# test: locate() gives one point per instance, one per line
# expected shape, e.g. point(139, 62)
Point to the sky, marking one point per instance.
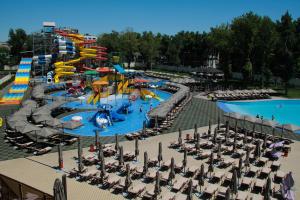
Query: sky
point(164, 16)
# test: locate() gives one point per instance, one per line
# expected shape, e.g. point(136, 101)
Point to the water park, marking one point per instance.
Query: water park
point(129, 115)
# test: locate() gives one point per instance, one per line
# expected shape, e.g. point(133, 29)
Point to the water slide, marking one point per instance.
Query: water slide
point(106, 117)
point(125, 108)
point(20, 85)
point(145, 93)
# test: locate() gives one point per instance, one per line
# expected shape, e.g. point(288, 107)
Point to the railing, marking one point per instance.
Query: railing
point(13, 189)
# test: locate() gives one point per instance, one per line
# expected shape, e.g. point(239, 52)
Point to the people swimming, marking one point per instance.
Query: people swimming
point(141, 108)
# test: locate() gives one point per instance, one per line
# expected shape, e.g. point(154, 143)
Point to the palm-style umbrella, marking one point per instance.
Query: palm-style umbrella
point(267, 195)
point(102, 170)
point(257, 151)
point(96, 138)
point(179, 136)
point(145, 168)
point(172, 171)
point(233, 182)
point(227, 195)
point(79, 151)
point(128, 180)
point(211, 163)
point(58, 190)
point(190, 190)
point(247, 161)
point(201, 176)
point(219, 154)
point(209, 128)
point(197, 145)
point(195, 131)
point(159, 157)
point(116, 142)
point(60, 156)
point(157, 188)
point(29, 128)
point(100, 152)
point(136, 151)
point(184, 161)
point(121, 156)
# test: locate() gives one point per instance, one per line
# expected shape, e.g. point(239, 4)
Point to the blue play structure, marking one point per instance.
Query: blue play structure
point(105, 116)
point(119, 69)
point(125, 108)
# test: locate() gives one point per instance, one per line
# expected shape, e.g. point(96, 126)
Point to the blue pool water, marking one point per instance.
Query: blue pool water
point(133, 121)
point(284, 111)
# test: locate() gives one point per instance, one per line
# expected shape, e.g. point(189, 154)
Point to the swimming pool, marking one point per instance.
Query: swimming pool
point(133, 121)
point(284, 111)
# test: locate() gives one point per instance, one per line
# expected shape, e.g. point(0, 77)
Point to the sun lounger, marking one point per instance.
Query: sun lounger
point(279, 175)
point(192, 170)
point(111, 181)
point(164, 178)
point(260, 183)
point(89, 159)
point(111, 165)
point(165, 164)
point(120, 185)
point(241, 195)
point(88, 174)
point(168, 196)
point(179, 184)
point(74, 172)
point(150, 175)
point(210, 189)
point(226, 162)
point(254, 170)
point(138, 171)
point(263, 160)
point(276, 165)
point(136, 190)
point(265, 171)
point(175, 144)
point(152, 162)
point(218, 175)
point(150, 193)
point(180, 196)
point(41, 151)
point(246, 181)
point(203, 154)
point(221, 192)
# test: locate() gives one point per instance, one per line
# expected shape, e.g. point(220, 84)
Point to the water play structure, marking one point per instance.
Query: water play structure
point(20, 85)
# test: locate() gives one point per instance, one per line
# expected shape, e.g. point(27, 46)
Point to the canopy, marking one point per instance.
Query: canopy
point(98, 83)
point(140, 80)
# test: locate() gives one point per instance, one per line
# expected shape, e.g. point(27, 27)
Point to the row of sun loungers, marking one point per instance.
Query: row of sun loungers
point(241, 94)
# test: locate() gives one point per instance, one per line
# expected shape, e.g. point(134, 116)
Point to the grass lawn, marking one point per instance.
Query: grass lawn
point(293, 93)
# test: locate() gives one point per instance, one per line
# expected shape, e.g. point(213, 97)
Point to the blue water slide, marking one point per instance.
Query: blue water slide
point(119, 69)
point(125, 108)
point(116, 117)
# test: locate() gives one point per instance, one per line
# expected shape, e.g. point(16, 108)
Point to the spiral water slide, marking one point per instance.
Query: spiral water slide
point(77, 40)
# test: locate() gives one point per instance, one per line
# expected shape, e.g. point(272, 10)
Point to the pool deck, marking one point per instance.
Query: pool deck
point(39, 173)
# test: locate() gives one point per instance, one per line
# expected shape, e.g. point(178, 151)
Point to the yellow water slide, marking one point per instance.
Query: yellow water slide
point(144, 93)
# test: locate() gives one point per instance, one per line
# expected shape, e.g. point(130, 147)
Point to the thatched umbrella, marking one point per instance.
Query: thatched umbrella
point(102, 170)
point(240, 168)
point(156, 124)
point(159, 157)
point(96, 138)
point(58, 190)
point(197, 145)
point(121, 156)
point(60, 156)
point(128, 180)
point(264, 146)
point(116, 142)
point(257, 151)
point(247, 161)
point(172, 171)
point(195, 131)
point(245, 139)
point(218, 127)
point(64, 183)
point(137, 151)
point(215, 136)
point(209, 128)
point(184, 161)
point(80, 165)
point(100, 152)
point(157, 188)
point(233, 182)
point(267, 195)
point(227, 195)
point(145, 168)
point(190, 190)
point(201, 176)
point(179, 136)
point(211, 163)
point(219, 154)
point(227, 126)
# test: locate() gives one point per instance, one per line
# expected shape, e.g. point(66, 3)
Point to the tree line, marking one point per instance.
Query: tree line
point(250, 44)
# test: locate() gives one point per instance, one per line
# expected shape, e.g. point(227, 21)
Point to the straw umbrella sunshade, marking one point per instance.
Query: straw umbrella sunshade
point(60, 156)
point(195, 131)
point(219, 153)
point(145, 168)
point(100, 152)
point(268, 186)
point(121, 157)
point(157, 188)
point(128, 180)
point(201, 177)
point(102, 170)
point(247, 159)
point(239, 169)
point(257, 150)
point(184, 161)
point(197, 145)
point(209, 128)
point(172, 171)
point(190, 190)
point(233, 183)
point(58, 190)
point(211, 163)
point(179, 136)
point(116, 142)
point(159, 157)
point(79, 151)
point(137, 151)
point(218, 127)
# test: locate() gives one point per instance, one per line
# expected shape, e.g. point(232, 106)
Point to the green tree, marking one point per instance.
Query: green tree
point(149, 48)
point(247, 71)
point(17, 40)
point(4, 57)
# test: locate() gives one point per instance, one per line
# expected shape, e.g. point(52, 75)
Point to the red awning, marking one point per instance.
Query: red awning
point(141, 81)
